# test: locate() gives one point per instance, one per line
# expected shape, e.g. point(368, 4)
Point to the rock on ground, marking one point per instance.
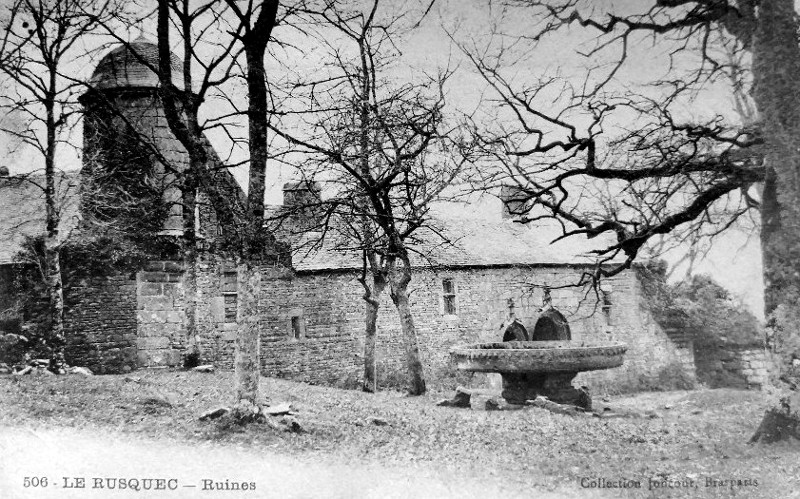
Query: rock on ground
point(460, 399)
point(781, 422)
point(214, 413)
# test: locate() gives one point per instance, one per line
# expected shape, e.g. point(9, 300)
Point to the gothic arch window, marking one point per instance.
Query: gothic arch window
point(550, 326)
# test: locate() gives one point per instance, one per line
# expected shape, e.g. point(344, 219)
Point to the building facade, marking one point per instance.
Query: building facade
point(311, 310)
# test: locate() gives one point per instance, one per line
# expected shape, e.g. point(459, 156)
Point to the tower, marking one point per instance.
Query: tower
point(129, 151)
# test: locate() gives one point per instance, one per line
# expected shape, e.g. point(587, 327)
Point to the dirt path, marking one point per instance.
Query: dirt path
point(63, 456)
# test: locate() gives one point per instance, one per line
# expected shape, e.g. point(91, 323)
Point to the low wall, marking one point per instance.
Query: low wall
point(731, 366)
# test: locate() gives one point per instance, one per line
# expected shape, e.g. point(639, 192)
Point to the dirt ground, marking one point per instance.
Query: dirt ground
point(65, 456)
point(145, 426)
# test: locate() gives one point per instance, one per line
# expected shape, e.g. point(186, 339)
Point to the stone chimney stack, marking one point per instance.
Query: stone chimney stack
point(515, 201)
point(302, 201)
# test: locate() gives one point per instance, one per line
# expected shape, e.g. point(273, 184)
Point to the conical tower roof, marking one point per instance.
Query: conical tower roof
point(133, 65)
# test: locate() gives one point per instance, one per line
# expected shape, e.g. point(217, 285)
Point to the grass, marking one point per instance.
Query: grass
point(698, 434)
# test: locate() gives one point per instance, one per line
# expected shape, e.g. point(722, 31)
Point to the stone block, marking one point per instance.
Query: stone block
point(174, 277)
point(173, 316)
point(171, 289)
point(151, 289)
point(154, 330)
point(172, 357)
point(150, 316)
point(154, 276)
point(153, 343)
point(150, 358)
point(154, 266)
point(170, 266)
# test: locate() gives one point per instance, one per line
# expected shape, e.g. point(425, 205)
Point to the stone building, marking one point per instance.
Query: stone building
point(311, 310)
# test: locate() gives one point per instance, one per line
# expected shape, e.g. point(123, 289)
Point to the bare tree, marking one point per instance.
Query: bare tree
point(606, 159)
point(250, 32)
point(386, 146)
point(41, 42)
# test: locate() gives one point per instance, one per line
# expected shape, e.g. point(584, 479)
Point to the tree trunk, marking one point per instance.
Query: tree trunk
point(248, 347)
point(776, 70)
point(52, 245)
point(399, 292)
point(181, 114)
point(372, 305)
point(57, 340)
point(190, 271)
point(248, 339)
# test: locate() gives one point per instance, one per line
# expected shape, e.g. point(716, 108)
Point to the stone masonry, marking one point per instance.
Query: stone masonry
point(312, 320)
point(732, 366)
point(101, 325)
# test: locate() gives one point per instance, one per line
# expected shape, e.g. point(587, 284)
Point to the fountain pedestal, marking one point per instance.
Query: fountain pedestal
point(519, 387)
point(533, 368)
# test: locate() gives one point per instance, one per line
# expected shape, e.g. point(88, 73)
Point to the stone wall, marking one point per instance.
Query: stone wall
point(659, 357)
point(731, 366)
point(313, 322)
point(100, 324)
point(161, 336)
point(308, 330)
point(109, 140)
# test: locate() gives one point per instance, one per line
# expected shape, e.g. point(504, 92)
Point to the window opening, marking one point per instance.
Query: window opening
point(230, 295)
point(449, 296)
point(296, 328)
point(606, 306)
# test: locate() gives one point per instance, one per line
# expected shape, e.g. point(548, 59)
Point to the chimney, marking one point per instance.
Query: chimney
point(515, 201)
point(302, 201)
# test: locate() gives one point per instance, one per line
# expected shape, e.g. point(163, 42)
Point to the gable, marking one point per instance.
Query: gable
point(22, 209)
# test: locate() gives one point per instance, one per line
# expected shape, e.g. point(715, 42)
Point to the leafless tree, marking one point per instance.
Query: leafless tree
point(249, 32)
point(603, 158)
point(385, 144)
point(41, 41)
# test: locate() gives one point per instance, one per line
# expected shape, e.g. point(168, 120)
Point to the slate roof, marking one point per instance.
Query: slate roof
point(459, 240)
point(22, 209)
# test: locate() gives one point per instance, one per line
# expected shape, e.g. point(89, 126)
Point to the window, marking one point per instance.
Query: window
point(605, 306)
point(229, 295)
point(449, 297)
point(296, 328)
point(297, 325)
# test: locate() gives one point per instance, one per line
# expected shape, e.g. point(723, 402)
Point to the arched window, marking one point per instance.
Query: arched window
point(550, 326)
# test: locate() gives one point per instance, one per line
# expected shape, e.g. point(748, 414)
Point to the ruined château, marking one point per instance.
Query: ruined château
point(311, 310)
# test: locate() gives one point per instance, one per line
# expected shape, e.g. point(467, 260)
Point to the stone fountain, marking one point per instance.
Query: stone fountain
point(541, 364)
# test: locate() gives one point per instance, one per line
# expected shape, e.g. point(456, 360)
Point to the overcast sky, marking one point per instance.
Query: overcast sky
point(734, 259)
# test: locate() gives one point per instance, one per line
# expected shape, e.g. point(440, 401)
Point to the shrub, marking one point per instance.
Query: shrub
point(701, 306)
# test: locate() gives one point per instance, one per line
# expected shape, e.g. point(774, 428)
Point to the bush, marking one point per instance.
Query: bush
point(701, 306)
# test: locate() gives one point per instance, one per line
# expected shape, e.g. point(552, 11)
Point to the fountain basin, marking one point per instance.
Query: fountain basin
point(538, 357)
point(540, 368)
